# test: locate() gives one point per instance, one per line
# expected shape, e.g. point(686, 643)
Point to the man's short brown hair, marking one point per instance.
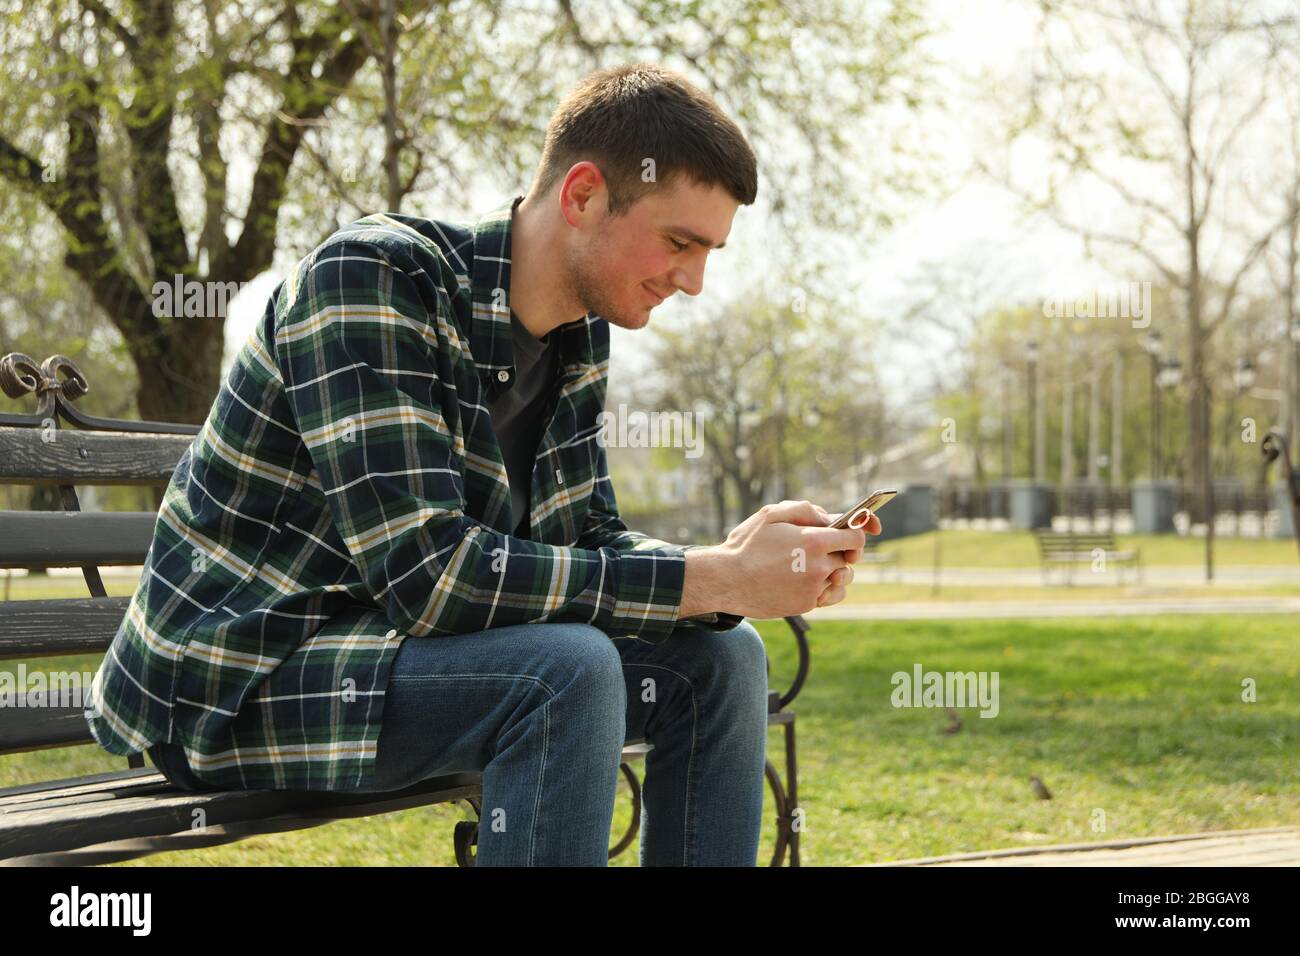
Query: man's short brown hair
point(618, 118)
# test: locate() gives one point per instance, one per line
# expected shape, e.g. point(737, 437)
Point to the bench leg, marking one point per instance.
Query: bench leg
point(792, 776)
point(789, 821)
point(465, 836)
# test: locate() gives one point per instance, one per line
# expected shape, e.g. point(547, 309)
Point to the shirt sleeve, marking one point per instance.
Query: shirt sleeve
point(605, 528)
point(369, 357)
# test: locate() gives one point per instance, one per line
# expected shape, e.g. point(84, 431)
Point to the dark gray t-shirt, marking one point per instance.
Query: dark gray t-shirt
point(517, 414)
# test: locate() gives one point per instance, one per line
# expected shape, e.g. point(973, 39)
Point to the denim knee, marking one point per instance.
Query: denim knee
point(738, 653)
point(583, 658)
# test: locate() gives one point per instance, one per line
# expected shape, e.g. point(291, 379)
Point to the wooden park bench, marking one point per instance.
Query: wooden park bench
point(1066, 549)
point(122, 815)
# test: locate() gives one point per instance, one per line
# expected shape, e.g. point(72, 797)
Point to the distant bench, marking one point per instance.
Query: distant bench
point(1066, 549)
point(121, 815)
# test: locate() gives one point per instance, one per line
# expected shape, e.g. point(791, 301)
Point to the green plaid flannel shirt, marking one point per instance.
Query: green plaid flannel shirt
point(346, 493)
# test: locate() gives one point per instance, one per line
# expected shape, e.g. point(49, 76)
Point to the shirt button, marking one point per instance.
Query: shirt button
point(503, 376)
point(559, 477)
point(391, 635)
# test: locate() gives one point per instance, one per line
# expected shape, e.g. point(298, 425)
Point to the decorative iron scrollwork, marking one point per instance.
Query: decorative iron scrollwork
point(57, 383)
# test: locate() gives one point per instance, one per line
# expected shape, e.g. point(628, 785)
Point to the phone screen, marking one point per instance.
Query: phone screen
point(855, 518)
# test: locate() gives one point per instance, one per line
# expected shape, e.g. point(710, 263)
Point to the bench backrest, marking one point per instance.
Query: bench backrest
point(1060, 542)
point(35, 451)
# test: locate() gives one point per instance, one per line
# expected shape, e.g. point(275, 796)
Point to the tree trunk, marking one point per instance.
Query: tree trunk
point(180, 372)
point(720, 503)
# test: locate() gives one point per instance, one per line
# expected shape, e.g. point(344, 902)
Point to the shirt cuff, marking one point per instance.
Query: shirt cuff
point(646, 587)
point(715, 620)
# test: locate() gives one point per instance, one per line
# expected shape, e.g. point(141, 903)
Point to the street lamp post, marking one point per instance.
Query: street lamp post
point(1007, 433)
point(1169, 377)
point(1031, 369)
point(1244, 376)
point(1152, 346)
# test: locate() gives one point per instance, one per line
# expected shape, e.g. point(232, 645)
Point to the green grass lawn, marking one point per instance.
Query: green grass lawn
point(1018, 549)
point(38, 587)
point(1139, 718)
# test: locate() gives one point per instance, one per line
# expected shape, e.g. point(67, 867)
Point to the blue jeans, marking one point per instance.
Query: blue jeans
point(543, 711)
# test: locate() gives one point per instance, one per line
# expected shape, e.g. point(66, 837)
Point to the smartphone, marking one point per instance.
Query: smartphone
point(872, 502)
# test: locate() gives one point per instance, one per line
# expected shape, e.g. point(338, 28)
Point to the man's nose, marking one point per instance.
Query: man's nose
point(690, 279)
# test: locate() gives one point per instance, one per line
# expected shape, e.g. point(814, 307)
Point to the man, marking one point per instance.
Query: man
point(394, 551)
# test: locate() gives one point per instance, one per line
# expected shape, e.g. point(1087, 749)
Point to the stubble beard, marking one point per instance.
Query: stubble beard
point(591, 290)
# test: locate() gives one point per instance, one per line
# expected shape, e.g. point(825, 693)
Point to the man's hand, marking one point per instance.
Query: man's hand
point(837, 584)
point(780, 561)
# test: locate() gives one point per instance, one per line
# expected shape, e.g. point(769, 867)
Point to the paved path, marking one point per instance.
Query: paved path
point(1276, 846)
point(1083, 576)
point(1111, 607)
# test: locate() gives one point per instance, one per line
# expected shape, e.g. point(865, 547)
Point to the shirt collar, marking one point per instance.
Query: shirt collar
point(490, 334)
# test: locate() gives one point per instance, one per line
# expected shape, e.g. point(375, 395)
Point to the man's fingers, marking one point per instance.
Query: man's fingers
point(827, 540)
point(866, 520)
point(798, 512)
point(831, 596)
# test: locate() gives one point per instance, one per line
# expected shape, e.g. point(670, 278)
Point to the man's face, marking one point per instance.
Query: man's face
point(623, 267)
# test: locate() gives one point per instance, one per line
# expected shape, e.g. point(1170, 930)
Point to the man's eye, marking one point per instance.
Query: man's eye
point(679, 246)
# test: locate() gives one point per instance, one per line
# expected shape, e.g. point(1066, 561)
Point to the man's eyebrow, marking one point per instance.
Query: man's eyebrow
point(695, 237)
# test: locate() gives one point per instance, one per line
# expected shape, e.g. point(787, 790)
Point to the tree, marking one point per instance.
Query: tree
point(1146, 105)
point(948, 322)
point(198, 138)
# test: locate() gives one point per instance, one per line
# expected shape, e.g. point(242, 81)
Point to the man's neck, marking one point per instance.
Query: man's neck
point(537, 293)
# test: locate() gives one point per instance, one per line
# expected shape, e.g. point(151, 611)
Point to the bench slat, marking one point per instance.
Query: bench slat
point(64, 626)
point(72, 538)
point(10, 797)
point(88, 458)
point(35, 728)
point(147, 806)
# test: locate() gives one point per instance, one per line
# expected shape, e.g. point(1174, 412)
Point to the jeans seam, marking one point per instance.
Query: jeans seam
point(480, 676)
point(546, 731)
point(541, 777)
